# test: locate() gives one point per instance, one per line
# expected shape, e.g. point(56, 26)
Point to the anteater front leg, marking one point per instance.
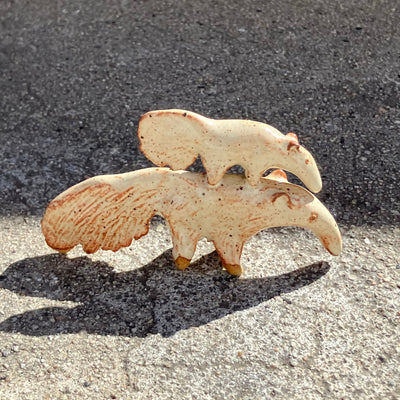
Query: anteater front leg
point(215, 169)
point(184, 245)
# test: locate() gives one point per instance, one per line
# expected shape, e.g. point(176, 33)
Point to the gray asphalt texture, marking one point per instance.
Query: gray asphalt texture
point(75, 77)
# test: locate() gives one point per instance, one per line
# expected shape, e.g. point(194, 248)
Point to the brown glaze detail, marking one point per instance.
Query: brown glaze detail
point(326, 240)
point(276, 196)
point(313, 217)
point(182, 263)
point(278, 174)
point(307, 161)
point(294, 144)
point(137, 237)
point(110, 198)
point(233, 269)
point(46, 223)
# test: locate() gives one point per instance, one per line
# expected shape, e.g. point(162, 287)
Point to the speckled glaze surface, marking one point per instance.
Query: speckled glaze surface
point(175, 138)
point(107, 212)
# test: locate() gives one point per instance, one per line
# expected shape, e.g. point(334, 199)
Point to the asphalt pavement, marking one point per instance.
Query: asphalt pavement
point(299, 324)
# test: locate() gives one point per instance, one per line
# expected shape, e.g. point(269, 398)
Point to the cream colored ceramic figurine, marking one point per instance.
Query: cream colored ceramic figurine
point(107, 212)
point(175, 138)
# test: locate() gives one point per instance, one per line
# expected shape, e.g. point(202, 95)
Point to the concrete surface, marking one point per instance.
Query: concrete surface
point(300, 324)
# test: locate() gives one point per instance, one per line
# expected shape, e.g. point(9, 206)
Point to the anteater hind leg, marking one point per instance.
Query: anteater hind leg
point(230, 252)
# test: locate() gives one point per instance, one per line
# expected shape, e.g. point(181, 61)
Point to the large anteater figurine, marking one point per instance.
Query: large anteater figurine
point(175, 138)
point(107, 212)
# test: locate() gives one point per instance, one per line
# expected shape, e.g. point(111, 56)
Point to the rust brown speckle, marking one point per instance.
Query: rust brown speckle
point(276, 196)
point(313, 217)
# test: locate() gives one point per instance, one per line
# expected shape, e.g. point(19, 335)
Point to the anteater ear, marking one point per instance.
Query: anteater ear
point(278, 175)
point(293, 137)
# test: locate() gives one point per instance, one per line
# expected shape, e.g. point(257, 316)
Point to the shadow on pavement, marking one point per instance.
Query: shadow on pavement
point(156, 298)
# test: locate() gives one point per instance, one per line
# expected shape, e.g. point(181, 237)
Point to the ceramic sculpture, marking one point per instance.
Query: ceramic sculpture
point(107, 212)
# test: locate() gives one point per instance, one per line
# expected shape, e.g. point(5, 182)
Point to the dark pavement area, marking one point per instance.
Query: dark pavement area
point(76, 77)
